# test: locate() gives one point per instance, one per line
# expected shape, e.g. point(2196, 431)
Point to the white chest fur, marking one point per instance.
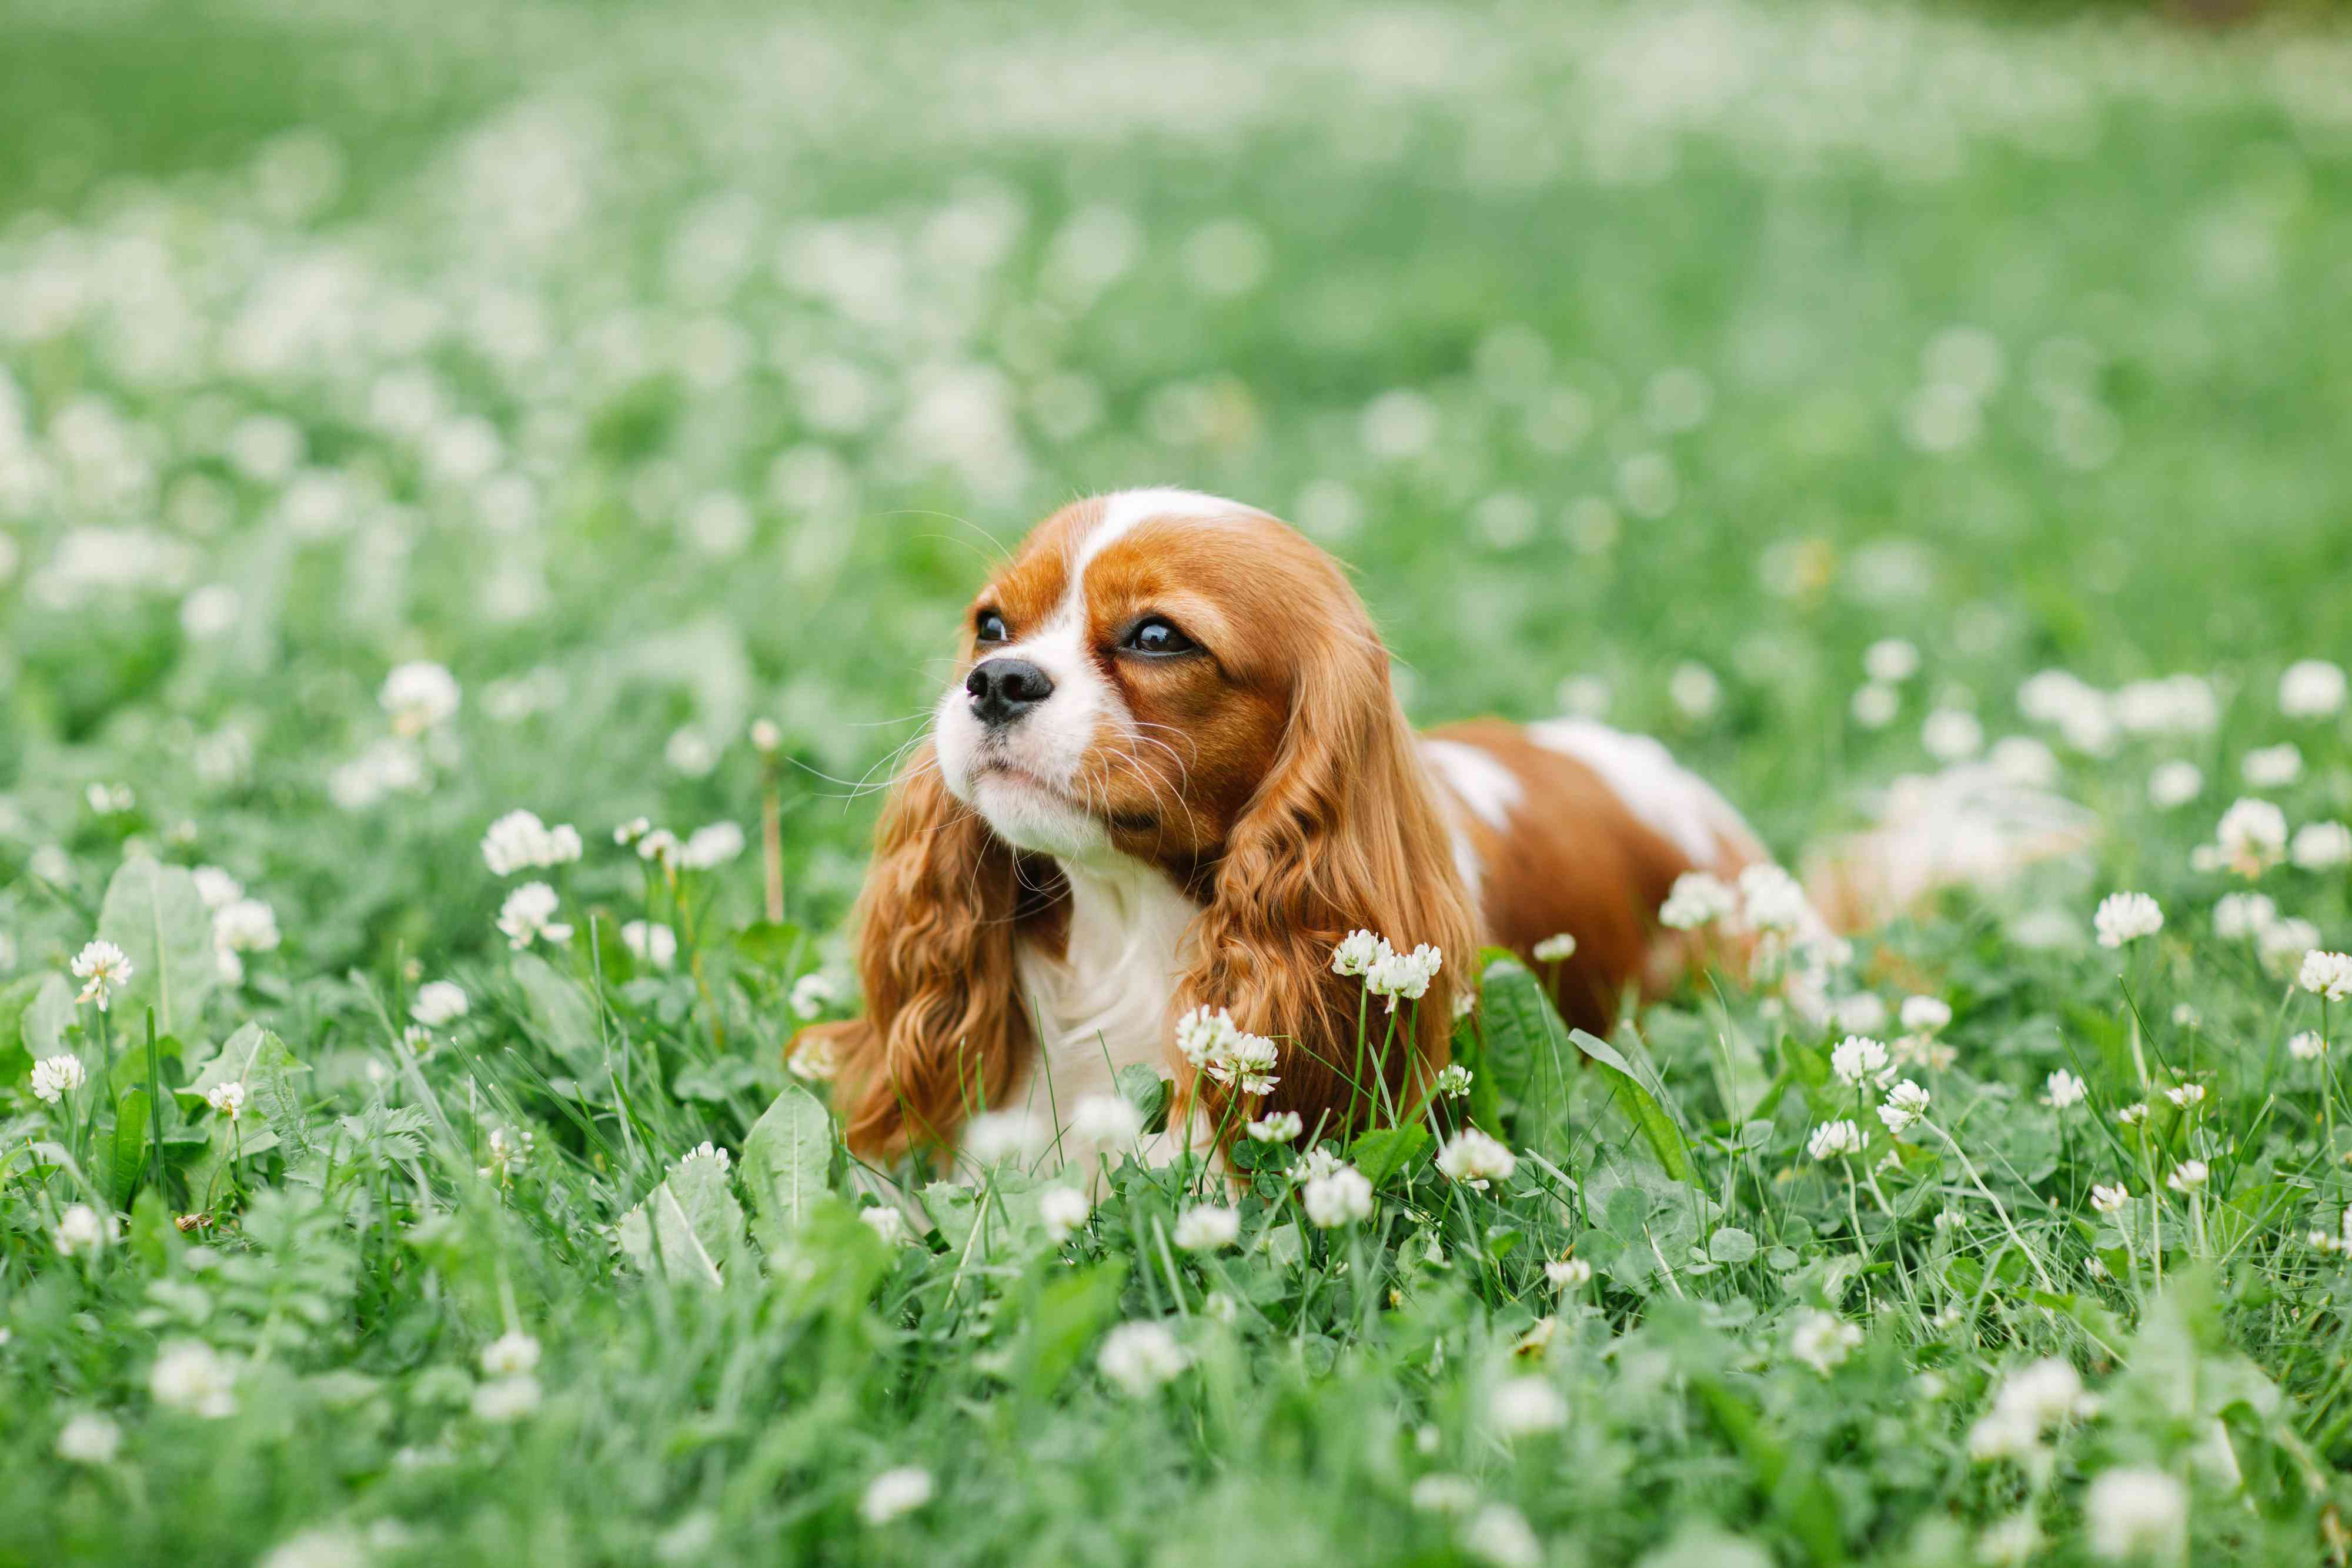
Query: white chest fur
point(1104, 1003)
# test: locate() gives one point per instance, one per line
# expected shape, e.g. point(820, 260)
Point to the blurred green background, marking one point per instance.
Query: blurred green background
point(655, 368)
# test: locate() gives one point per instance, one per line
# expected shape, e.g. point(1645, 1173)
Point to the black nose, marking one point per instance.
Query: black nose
point(1003, 689)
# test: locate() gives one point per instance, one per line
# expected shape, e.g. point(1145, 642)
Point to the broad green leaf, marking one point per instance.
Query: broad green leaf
point(1524, 1035)
point(564, 1014)
point(787, 1159)
point(1140, 1084)
point(241, 1059)
point(47, 1017)
point(772, 946)
point(16, 998)
point(1666, 1138)
point(692, 1218)
point(1380, 1155)
point(1062, 1321)
point(154, 913)
point(129, 1151)
point(1731, 1244)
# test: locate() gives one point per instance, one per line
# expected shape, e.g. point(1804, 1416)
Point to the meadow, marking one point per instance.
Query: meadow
point(414, 417)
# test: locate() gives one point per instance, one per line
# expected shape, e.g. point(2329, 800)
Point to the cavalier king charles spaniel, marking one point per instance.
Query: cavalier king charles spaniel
point(1170, 774)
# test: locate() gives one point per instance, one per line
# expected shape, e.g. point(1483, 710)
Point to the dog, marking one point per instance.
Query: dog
point(1171, 783)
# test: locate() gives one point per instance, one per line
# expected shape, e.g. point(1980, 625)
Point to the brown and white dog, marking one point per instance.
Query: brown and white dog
point(1171, 772)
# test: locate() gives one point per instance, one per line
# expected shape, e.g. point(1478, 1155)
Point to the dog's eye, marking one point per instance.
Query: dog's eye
point(991, 628)
point(1157, 634)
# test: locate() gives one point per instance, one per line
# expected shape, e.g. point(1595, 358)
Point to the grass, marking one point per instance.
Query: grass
point(655, 372)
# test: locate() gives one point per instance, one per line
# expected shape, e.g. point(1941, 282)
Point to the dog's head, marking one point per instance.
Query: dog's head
point(1164, 677)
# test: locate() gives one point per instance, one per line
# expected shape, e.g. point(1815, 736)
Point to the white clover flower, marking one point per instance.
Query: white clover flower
point(1403, 976)
point(245, 925)
point(1250, 1063)
point(812, 993)
point(2284, 945)
point(1857, 1056)
point(2135, 1513)
point(1064, 1211)
point(2174, 784)
point(650, 942)
point(438, 1002)
point(814, 1059)
point(1338, 1197)
point(2188, 1096)
point(629, 835)
point(510, 1354)
point(887, 1223)
point(1219, 1307)
point(1890, 660)
point(227, 1099)
point(519, 841)
point(1356, 954)
point(528, 915)
point(1139, 1357)
point(419, 696)
point(894, 1494)
point(2241, 916)
point(712, 846)
point(1206, 1035)
point(506, 1399)
point(55, 1077)
point(2272, 766)
point(104, 968)
point(1280, 1127)
point(1905, 1104)
point(766, 737)
point(2133, 1114)
point(1769, 899)
point(2251, 838)
point(2187, 1176)
point(1444, 1493)
point(506, 1150)
point(80, 1229)
point(1566, 1274)
point(2009, 1542)
point(89, 1438)
point(2321, 846)
point(1453, 1082)
point(2126, 917)
point(1499, 1536)
point(995, 1135)
point(1875, 706)
point(1926, 1014)
point(2308, 1046)
point(1207, 1227)
point(1823, 1340)
point(1554, 948)
point(1522, 1406)
point(2326, 975)
point(190, 1375)
point(1832, 1140)
point(215, 886)
point(1952, 735)
point(2311, 688)
point(1473, 1159)
point(2061, 1090)
point(2110, 1199)
point(1106, 1120)
point(1696, 899)
point(1314, 1163)
point(660, 846)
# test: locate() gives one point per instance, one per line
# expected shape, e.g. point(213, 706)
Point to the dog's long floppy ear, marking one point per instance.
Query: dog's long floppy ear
point(943, 1025)
point(1344, 834)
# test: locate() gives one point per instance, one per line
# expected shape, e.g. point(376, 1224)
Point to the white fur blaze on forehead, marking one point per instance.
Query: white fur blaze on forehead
point(1124, 510)
point(1675, 802)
